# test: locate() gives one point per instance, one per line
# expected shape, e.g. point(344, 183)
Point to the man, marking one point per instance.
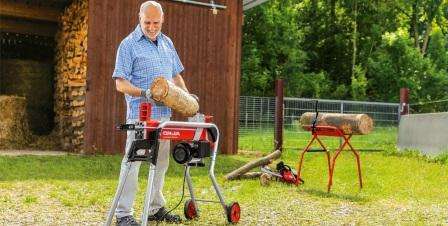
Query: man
point(142, 56)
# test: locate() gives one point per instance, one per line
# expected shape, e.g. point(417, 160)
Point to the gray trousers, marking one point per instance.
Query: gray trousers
point(126, 201)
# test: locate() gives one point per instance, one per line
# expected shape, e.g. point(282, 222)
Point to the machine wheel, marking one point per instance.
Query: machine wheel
point(190, 211)
point(233, 212)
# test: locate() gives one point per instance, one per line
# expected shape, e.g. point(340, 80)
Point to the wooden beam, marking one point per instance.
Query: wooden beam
point(28, 27)
point(20, 10)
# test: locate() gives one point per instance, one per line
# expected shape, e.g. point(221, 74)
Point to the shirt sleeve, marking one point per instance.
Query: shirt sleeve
point(177, 64)
point(123, 62)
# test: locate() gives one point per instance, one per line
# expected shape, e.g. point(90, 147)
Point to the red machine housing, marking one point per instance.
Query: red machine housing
point(171, 133)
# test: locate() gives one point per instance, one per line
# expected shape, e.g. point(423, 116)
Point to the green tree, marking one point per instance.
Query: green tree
point(399, 64)
point(272, 49)
point(347, 49)
point(438, 50)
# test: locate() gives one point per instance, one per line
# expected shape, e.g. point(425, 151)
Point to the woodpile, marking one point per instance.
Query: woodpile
point(355, 124)
point(174, 97)
point(71, 72)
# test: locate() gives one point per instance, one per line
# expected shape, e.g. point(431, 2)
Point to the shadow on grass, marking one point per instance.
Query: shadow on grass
point(87, 168)
point(325, 194)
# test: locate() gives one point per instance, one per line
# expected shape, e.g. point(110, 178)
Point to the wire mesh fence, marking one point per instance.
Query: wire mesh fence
point(257, 117)
point(429, 107)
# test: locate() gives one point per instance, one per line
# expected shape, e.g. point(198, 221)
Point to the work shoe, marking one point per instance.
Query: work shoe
point(127, 221)
point(163, 215)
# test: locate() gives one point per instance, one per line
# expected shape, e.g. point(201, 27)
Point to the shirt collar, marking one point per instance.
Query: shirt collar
point(138, 34)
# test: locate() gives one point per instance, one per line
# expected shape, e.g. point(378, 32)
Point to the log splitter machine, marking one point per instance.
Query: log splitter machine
point(198, 139)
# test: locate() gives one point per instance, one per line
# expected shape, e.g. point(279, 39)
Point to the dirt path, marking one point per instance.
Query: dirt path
point(31, 152)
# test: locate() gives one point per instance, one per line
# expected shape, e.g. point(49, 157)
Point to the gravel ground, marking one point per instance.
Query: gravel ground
point(33, 203)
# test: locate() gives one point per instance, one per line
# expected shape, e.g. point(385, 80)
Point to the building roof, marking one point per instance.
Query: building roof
point(248, 4)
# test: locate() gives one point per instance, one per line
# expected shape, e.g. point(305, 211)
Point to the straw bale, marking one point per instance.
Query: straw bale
point(14, 129)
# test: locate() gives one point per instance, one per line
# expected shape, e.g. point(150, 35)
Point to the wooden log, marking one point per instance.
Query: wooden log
point(265, 179)
point(250, 175)
point(252, 164)
point(356, 124)
point(168, 93)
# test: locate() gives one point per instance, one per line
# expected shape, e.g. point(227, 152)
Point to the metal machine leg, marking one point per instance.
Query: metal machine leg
point(145, 213)
point(190, 187)
point(215, 184)
point(120, 187)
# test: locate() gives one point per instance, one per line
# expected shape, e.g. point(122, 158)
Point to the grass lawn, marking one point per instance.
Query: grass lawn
point(77, 190)
point(381, 138)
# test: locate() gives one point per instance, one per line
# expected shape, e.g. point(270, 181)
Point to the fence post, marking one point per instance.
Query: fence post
point(404, 101)
point(278, 135)
point(342, 112)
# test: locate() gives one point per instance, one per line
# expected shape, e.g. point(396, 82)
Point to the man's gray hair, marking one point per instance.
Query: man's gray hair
point(146, 4)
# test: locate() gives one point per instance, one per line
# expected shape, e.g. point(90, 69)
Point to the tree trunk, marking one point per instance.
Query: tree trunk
point(355, 27)
point(431, 14)
point(349, 123)
point(414, 24)
point(426, 38)
point(252, 164)
point(313, 9)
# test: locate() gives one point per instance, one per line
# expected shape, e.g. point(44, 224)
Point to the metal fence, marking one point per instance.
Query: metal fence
point(257, 114)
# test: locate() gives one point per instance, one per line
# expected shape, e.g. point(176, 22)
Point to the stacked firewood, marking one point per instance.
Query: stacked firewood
point(71, 72)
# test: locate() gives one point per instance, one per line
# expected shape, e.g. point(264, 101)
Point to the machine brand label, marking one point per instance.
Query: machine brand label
point(170, 133)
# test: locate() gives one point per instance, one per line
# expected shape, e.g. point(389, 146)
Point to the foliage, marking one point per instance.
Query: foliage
point(359, 84)
point(398, 64)
point(438, 50)
point(273, 48)
point(354, 49)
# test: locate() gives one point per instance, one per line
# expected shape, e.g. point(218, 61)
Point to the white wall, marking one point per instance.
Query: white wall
point(425, 132)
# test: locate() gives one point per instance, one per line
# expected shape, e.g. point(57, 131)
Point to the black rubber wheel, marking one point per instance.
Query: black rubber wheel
point(190, 211)
point(233, 212)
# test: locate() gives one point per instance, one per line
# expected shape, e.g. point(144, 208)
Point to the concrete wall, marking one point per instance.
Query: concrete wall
point(425, 132)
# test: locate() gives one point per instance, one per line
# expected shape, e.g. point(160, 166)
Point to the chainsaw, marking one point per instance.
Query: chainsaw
point(284, 173)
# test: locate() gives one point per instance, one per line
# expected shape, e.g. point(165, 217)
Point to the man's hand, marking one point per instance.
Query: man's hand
point(148, 96)
point(179, 82)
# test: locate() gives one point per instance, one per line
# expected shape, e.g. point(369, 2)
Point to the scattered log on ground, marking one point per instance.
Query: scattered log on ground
point(355, 124)
point(265, 179)
point(250, 175)
point(252, 164)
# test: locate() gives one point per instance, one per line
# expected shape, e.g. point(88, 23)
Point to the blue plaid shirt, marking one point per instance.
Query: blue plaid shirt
point(140, 61)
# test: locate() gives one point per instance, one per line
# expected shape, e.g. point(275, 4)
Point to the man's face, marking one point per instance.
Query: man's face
point(151, 22)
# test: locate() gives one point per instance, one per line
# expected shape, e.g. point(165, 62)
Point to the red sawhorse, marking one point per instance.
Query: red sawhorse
point(330, 131)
